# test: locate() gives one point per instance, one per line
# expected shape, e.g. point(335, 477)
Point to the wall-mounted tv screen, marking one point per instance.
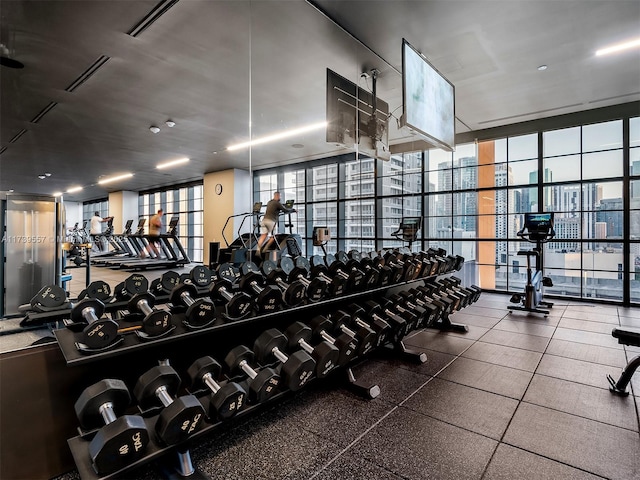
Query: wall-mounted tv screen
point(428, 99)
point(350, 119)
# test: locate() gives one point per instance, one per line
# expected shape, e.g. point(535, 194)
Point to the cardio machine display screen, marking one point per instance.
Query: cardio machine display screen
point(535, 222)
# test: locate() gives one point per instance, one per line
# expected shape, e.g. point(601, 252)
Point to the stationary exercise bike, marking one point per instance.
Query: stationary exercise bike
point(538, 229)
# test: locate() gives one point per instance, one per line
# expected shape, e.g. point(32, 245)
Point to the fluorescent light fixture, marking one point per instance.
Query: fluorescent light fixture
point(115, 179)
point(278, 136)
point(74, 189)
point(57, 194)
point(172, 163)
point(618, 47)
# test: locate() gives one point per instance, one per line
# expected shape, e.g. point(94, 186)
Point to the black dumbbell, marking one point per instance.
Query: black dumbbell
point(164, 284)
point(364, 335)
point(121, 439)
point(409, 317)
point(425, 295)
point(180, 417)
point(353, 279)
point(263, 384)
point(268, 298)
point(359, 317)
point(393, 259)
point(298, 272)
point(226, 400)
point(346, 344)
point(335, 286)
point(200, 312)
point(133, 284)
point(371, 274)
point(415, 316)
point(100, 332)
point(399, 327)
point(433, 292)
point(155, 322)
point(383, 272)
point(200, 276)
point(433, 312)
point(237, 304)
point(297, 368)
point(352, 267)
point(325, 354)
point(97, 289)
point(293, 293)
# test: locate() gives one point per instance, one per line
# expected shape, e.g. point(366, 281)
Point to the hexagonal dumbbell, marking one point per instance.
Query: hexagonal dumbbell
point(155, 322)
point(364, 335)
point(263, 384)
point(353, 268)
point(360, 319)
point(121, 439)
point(346, 344)
point(398, 326)
point(371, 274)
point(353, 278)
point(297, 368)
point(237, 304)
point(200, 312)
point(294, 293)
point(432, 312)
point(225, 400)
point(299, 271)
point(164, 284)
point(268, 299)
point(325, 354)
point(335, 285)
point(133, 284)
point(415, 316)
point(100, 333)
point(180, 417)
point(200, 276)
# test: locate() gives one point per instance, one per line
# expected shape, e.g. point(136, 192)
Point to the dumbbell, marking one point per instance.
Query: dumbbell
point(371, 275)
point(414, 316)
point(433, 311)
point(336, 285)
point(293, 293)
point(237, 305)
point(352, 278)
point(383, 272)
point(298, 271)
point(100, 332)
point(180, 417)
point(268, 298)
point(365, 336)
point(133, 284)
point(346, 344)
point(359, 317)
point(226, 400)
point(396, 271)
point(351, 268)
point(200, 276)
point(263, 384)
point(121, 439)
point(155, 322)
point(455, 291)
point(399, 327)
point(392, 259)
point(297, 368)
point(200, 312)
point(407, 315)
point(97, 289)
point(48, 299)
point(164, 284)
point(325, 354)
point(434, 291)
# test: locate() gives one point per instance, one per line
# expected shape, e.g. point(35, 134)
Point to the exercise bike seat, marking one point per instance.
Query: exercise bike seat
point(627, 335)
point(528, 253)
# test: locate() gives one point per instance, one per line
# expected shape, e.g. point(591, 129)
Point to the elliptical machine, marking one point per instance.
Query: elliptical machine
point(538, 229)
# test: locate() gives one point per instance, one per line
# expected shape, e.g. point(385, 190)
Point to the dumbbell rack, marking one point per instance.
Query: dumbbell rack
point(241, 330)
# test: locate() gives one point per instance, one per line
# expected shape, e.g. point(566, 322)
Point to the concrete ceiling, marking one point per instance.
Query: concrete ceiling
point(98, 73)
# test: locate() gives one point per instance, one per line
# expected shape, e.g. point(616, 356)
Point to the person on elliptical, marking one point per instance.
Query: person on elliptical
point(270, 219)
point(96, 229)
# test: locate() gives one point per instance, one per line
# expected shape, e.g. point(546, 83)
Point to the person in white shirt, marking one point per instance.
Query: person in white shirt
point(96, 228)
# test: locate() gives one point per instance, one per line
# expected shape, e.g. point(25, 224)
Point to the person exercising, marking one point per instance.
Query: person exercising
point(96, 229)
point(155, 228)
point(270, 219)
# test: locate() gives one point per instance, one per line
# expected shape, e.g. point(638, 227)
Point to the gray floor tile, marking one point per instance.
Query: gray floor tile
point(587, 353)
point(577, 371)
point(395, 383)
point(552, 319)
point(487, 376)
point(510, 463)
point(421, 447)
point(516, 340)
point(474, 332)
point(630, 322)
point(587, 325)
point(512, 324)
point(586, 444)
point(476, 410)
point(630, 312)
point(583, 400)
point(351, 466)
point(589, 308)
point(589, 338)
point(473, 319)
point(485, 312)
point(505, 356)
point(438, 341)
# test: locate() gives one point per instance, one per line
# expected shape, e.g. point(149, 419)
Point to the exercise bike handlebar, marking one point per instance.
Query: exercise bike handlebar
point(535, 237)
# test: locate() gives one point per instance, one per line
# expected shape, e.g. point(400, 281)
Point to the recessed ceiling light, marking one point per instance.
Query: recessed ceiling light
point(154, 129)
point(74, 189)
point(542, 68)
point(279, 136)
point(115, 179)
point(11, 190)
point(170, 123)
point(172, 163)
point(297, 145)
point(635, 43)
point(47, 174)
point(42, 177)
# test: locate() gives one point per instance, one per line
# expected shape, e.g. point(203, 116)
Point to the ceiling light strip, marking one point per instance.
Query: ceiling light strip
point(84, 76)
point(278, 136)
point(635, 43)
point(43, 112)
point(160, 9)
point(172, 163)
point(115, 179)
point(74, 189)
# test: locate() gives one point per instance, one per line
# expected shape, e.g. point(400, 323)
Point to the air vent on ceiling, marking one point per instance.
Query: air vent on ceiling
point(160, 9)
point(84, 76)
point(43, 112)
point(547, 110)
point(17, 136)
point(2, 150)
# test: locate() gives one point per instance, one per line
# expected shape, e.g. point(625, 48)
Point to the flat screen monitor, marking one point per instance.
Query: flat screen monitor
point(257, 207)
point(410, 227)
point(174, 221)
point(289, 203)
point(538, 222)
point(428, 99)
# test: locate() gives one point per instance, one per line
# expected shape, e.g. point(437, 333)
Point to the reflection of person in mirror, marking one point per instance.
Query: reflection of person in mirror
point(96, 228)
point(270, 219)
point(155, 228)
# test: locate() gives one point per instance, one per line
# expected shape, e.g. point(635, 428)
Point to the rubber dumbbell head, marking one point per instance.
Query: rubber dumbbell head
point(346, 344)
point(155, 322)
point(263, 384)
point(325, 354)
point(100, 332)
point(200, 312)
point(237, 304)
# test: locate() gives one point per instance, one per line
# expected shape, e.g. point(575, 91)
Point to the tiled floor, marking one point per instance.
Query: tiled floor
point(517, 397)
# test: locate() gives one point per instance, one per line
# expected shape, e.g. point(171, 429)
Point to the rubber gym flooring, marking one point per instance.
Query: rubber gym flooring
point(517, 397)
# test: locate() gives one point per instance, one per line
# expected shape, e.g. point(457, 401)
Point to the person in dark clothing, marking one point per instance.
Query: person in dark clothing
point(270, 219)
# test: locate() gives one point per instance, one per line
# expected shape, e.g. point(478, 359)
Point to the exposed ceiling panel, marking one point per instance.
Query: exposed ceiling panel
point(99, 73)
